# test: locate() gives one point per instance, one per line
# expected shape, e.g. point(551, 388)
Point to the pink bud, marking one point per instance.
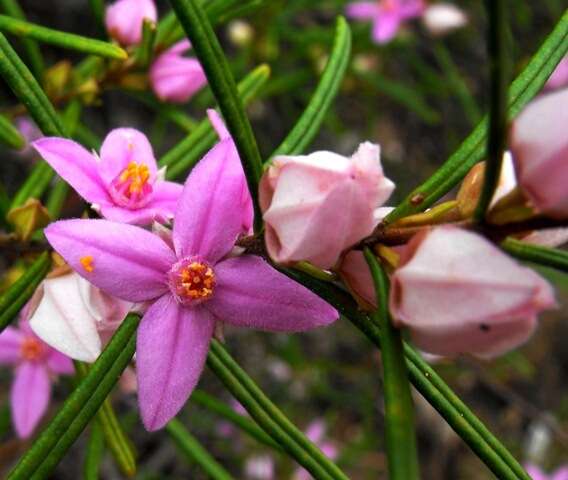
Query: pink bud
point(124, 19)
point(317, 205)
point(540, 148)
point(458, 293)
point(175, 78)
point(559, 77)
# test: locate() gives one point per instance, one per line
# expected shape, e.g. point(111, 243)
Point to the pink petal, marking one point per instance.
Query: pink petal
point(171, 348)
point(59, 363)
point(10, 342)
point(558, 79)
point(122, 146)
point(124, 19)
point(250, 293)
point(536, 473)
point(386, 26)
point(29, 397)
point(362, 10)
point(560, 474)
point(175, 78)
point(179, 48)
point(209, 216)
point(75, 165)
point(127, 262)
point(411, 8)
point(218, 124)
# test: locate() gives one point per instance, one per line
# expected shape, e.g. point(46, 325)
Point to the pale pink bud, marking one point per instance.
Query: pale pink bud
point(458, 293)
point(442, 18)
point(559, 77)
point(124, 19)
point(175, 78)
point(540, 151)
point(317, 205)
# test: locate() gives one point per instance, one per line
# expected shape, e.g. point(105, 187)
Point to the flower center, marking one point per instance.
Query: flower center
point(192, 281)
point(31, 349)
point(132, 188)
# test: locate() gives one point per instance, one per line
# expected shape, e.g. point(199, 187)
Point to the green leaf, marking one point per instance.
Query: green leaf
point(9, 135)
point(80, 407)
point(268, 416)
point(240, 421)
point(183, 157)
point(400, 435)
point(195, 452)
point(498, 94)
point(34, 185)
point(145, 50)
point(551, 257)
point(69, 41)
point(209, 53)
point(13, 9)
point(309, 123)
point(94, 452)
point(119, 445)
point(471, 151)
point(12, 301)
point(432, 387)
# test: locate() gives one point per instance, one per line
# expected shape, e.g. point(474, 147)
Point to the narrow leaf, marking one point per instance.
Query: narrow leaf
point(551, 257)
point(94, 453)
point(9, 135)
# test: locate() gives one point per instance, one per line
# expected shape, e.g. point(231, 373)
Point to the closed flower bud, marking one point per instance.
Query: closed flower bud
point(540, 149)
point(441, 18)
point(124, 19)
point(315, 206)
point(175, 78)
point(457, 293)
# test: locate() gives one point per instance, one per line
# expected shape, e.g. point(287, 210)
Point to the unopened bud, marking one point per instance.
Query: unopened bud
point(27, 218)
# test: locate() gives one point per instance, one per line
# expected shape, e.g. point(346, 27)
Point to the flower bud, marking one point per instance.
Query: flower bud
point(442, 18)
point(175, 78)
point(457, 293)
point(124, 19)
point(317, 205)
point(559, 77)
point(540, 148)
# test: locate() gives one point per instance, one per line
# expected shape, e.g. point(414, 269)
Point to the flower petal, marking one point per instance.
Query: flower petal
point(250, 293)
point(127, 262)
point(362, 10)
point(64, 322)
point(386, 26)
point(210, 212)
point(10, 341)
point(171, 348)
point(29, 397)
point(59, 363)
point(122, 146)
point(75, 165)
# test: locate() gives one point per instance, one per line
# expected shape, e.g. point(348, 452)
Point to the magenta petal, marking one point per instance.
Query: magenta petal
point(386, 26)
point(362, 10)
point(210, 212)
point(165, 199)
point(10, 341)
point(250, 293)
point(122, 146)
point(59, 363)
point(29, 397)
point(125, 261)
point(75, 165)
point(171, 348)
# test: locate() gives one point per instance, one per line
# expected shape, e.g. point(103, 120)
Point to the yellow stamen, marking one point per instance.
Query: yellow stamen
point(138, 174)
point(87, 263)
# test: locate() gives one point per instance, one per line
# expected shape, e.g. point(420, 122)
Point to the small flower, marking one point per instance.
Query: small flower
point(442, 18)
point(123, 184)
point(540, 147)
point(191, 286)
point(386, 15)
point(29, 130)
point(316, 434)
point(260, 467)
point(315, 206)
point(74, 317)
point(36, 364)
point(537, 474)
point(559, 77)
point(457, 293)
point(175, 78)
point(124, 19)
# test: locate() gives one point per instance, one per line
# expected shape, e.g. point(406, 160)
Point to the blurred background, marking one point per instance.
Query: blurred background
point(418, 96)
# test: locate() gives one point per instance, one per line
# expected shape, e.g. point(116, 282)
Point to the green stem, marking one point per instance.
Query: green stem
point(194, 451)
point(551, 257)
point(69, 41)
point(12, 301)
point(80, 407)
point(400, 432)
point(499, 80)
point(208, 51)
point(9, 134)
point(94, 453)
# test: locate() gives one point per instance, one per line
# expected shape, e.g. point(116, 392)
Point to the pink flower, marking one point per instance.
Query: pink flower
point(191, 286)
point(74, 317)
point(540, 148)
point(124, 19)
point(559, 77)
point(537, 474)
point(123, 184)
point(316, 433)
point(458, 293)
point(260, 467)
point(386, 15)
point(36, 365)
point(315, 206)
point(175, 78)
point(442, 18)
